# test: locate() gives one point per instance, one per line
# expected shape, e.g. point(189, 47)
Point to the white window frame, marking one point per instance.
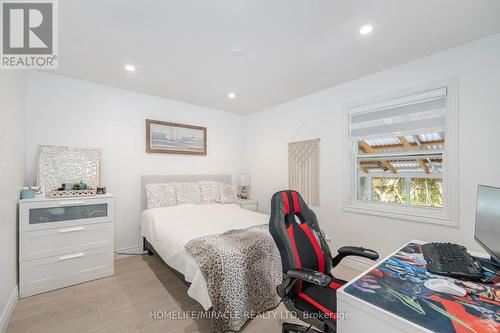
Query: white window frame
point(448, 215)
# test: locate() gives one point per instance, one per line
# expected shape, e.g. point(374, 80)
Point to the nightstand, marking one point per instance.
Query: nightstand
point(249, 204)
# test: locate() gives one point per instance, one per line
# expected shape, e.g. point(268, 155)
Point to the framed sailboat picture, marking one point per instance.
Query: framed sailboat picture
point(171, 138)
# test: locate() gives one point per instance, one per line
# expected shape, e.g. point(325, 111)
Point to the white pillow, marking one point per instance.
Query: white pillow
point(228, 193)
point(160, 195)
point(210, 192)
point(188, 193)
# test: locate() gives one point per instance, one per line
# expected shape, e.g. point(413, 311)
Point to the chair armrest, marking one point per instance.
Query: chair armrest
point(309, 275)
point(293, 276)
point(354, 251)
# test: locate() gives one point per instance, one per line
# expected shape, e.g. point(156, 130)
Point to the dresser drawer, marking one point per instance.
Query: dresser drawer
point(62, 213)
point(52, 242)
point(41, 275)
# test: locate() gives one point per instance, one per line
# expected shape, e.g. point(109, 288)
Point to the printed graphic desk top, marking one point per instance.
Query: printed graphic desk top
point(397, 286)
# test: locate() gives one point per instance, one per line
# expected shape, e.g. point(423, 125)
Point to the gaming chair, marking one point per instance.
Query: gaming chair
point(308, 288)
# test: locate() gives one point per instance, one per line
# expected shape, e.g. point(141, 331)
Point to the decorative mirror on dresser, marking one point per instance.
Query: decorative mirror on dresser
point(58, 165)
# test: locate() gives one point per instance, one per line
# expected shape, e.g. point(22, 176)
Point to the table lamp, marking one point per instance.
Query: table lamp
point(244, 183)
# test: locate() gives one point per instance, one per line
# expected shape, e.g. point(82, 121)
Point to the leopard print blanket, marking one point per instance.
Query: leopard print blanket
point(242, 269)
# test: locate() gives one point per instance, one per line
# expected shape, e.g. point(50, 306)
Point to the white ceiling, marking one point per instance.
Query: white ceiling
point(182, 49)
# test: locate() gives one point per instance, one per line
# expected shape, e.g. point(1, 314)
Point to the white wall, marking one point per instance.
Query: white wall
point(64, 111)
point(12, 167)
point(478, 67)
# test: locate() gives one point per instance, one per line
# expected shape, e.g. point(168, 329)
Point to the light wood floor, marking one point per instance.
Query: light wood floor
point(124, 302)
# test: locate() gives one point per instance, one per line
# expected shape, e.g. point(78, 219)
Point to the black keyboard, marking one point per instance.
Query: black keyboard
point(451, 260)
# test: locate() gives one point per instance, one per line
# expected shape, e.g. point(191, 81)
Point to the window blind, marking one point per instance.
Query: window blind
point(425, 112)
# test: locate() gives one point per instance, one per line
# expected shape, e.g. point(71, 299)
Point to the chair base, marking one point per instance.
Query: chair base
point(295, 328)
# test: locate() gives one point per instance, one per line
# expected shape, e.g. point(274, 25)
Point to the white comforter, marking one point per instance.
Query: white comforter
point(168, 229)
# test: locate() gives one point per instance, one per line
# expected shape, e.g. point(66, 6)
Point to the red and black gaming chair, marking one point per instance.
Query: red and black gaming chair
point(308, 288)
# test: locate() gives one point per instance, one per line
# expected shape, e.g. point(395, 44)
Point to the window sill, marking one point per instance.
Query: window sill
point(423, 215)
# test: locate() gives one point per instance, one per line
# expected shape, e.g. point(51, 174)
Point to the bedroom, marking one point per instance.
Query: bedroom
point(250, 90)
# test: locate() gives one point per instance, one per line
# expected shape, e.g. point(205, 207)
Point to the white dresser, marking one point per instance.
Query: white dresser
point(64, 242)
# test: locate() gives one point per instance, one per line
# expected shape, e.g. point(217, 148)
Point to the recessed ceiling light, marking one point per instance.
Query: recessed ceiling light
point(366, 29)
point(129, 68)
point(231, 95)
point(237, 53)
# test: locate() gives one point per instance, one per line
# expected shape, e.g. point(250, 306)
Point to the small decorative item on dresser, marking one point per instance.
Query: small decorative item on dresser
point(31, 191)
point(72, 193)
point(27, 194)
point(101, 190)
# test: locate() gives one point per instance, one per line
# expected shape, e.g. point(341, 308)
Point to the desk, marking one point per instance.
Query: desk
point(391, 297)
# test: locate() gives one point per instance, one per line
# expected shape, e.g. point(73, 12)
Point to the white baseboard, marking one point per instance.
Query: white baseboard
point(127, 251)
point(9, 310)
point(357, 263)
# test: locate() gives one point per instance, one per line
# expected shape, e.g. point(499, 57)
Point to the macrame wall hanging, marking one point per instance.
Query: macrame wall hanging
point(303, 167)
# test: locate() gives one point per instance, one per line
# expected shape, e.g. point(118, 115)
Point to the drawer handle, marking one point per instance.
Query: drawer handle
point(65, 203)
point(71, 229)
point(71, 256)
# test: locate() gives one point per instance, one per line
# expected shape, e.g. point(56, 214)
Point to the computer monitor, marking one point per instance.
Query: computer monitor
point(487, 230)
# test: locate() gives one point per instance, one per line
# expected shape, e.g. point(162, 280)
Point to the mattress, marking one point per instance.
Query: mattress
point(168, 229)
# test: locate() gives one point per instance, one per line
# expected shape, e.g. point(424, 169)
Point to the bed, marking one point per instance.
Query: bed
point(167, 232)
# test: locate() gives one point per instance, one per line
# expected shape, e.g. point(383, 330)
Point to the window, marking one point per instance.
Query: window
point(388, 189)
point(405, 170)
point(426, 192)
point(400, 156)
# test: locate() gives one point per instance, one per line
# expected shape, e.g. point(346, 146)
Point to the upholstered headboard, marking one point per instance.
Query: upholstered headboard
point(152, 179)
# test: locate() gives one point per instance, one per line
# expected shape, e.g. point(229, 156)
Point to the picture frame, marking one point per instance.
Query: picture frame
point(164, 137)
